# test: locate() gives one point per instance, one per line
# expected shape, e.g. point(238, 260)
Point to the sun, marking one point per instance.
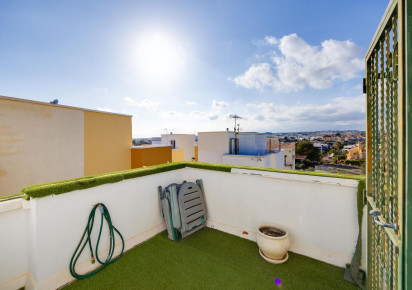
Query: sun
point(160, 59)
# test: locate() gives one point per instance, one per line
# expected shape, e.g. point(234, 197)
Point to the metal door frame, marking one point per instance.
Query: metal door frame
point(404, 158)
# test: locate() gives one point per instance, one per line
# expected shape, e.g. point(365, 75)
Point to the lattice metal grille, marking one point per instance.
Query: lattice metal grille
point(383, 125)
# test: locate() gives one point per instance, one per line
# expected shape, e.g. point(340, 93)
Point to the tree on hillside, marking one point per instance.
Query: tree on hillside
point(307, 148)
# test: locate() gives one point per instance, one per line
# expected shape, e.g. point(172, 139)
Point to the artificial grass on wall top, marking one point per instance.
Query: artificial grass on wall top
point(210, 259)
point(59, 187)
point(14, 196)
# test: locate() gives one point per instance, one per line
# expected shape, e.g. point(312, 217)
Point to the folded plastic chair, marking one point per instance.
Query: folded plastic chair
point(183, 207)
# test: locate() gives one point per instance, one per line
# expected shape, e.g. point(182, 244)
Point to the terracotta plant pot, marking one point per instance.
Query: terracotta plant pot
point(273, 241)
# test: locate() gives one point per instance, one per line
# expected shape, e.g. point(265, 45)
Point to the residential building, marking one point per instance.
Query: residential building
point(44, 142)
point(322, 147)
point(357, 153)
point(156, 140)
point(183, 146)
point(246, 148)
point(272, 143)
point(289, 151)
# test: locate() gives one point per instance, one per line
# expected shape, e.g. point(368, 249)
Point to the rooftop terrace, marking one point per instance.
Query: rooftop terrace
point(322, 212)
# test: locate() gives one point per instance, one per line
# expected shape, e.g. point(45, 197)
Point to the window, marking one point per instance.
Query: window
point(173, 143)
point(234, 146)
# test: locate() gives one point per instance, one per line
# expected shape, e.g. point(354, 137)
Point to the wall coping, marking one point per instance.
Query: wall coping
point(64, 186)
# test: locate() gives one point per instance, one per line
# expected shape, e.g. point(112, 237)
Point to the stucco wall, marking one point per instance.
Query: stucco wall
point(277, 160)
point(39, 143)
point(252, 144)
point(107, 141)
point(319, 212)
point(178, 155)
point(246, 160)
point(182, 141)
point(211, 146)
point(146, 156)
point(14, 244)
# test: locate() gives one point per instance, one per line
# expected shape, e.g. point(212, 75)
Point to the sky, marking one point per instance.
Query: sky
point(186, 66)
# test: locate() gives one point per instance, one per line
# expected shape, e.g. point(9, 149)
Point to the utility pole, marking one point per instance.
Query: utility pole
point(234, 129)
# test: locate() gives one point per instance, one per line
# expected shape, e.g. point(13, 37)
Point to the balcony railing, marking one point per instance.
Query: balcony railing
point(39, 235)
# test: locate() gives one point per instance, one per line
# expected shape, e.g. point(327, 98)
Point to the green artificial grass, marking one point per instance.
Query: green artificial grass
point(59, 187)
point(63, 186)
point(14, 196)
point(210, 259)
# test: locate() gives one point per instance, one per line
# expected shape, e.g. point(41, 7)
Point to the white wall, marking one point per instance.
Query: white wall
point(187, 142)
point(58, 221)
point(277, 160)
point(14, 244)
point(212, 145)
point(252, 144)
point(183, 141)
point(319, 212)
point(246, 160)
point(273, 160)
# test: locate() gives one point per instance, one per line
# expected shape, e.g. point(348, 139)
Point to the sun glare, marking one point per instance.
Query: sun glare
point(160, 59)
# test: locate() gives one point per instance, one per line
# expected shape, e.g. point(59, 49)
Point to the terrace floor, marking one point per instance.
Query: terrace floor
point(210, 259)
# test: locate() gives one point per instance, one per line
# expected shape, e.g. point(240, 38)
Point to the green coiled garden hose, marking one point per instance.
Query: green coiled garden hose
point(87, 233)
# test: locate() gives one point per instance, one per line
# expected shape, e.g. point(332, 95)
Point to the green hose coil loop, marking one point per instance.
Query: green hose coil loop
point(88, 230)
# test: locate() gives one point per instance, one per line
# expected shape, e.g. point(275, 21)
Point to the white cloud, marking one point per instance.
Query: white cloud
point(145, 103)
point(295, 64)
point(105, 109)
point(219, 105)
point(338, 112)
point(191, 103)
point(258, 76)
point(271, 40)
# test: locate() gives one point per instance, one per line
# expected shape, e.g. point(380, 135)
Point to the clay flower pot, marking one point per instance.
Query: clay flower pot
point(273, 241)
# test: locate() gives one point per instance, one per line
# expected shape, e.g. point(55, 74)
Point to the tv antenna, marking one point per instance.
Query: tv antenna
point(236, 117)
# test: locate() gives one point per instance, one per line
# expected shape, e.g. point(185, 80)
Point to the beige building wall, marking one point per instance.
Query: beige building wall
point(272, 143)
point(178, 155)
point(39, 143)
point(289, 149)
point(107, 142)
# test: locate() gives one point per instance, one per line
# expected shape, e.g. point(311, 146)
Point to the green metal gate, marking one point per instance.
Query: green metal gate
point(386, 86)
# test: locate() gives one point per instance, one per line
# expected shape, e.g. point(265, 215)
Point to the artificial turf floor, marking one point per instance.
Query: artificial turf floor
point(210, 259)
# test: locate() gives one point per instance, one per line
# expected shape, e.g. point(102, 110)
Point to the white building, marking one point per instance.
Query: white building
point(156, 141)
point(181, 141)
point(322, 147)
point(247, 148)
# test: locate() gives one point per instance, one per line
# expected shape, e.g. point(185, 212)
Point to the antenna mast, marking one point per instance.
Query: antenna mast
point(236, 117)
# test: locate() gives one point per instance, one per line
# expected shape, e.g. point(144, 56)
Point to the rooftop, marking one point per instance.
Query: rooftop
point(61, 106)
point(224, 255)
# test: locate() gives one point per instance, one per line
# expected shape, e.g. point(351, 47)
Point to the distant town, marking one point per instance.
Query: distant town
point(332, 151)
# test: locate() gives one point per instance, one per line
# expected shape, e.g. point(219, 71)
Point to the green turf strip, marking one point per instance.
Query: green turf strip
point(210, 259)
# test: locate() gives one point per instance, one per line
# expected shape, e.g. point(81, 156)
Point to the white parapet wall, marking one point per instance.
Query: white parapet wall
point(38, 243)
point(319, 212)
point(38, 237)
point(14, 243)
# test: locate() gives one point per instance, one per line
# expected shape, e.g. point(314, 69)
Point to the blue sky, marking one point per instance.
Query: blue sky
point(187, 65)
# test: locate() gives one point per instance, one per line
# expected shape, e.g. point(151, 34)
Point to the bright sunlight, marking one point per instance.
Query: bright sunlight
point(160, 59)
